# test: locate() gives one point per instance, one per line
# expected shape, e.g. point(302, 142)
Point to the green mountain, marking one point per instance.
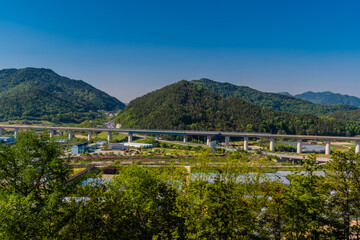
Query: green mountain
point(41, 94)
point(275, 101)
point(329, 98)
point(187, 105)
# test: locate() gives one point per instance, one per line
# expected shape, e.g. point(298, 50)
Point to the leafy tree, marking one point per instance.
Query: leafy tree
point(32, 165)
point(342, 188)
point(305, 206)
point(32, 184)
point(85, 215)
point(272, 221)
point(137, 204)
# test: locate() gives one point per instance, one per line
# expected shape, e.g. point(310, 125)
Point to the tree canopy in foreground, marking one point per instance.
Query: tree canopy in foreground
point(234, 200)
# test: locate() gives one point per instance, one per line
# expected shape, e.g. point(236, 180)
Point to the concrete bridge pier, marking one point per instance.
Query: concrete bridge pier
point(89, 135)
point(328, 147)
point(157, 137)
point(299, 146)
point(246, 143)
point(185, 139)
point(16, 132)
point(272, 144)
point(357, 146)
point(70, 135)
point(208, 140)
point(227, 141)
point(130, 137)
point(51, 133)
point(109, 138)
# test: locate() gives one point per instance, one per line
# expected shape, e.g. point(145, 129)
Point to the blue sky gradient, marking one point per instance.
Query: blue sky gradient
point(128, 48)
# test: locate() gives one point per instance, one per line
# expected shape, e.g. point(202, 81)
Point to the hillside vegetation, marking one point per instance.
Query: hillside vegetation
point(275, 101)
point(187, 105)
point(347, 115)
point(33, 94)
point(329, 98)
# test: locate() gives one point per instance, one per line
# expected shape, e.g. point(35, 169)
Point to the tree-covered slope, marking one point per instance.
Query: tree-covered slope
point(186, 105)
point(33, 93)
point(279, 102)
point(329, 98)
point(346, 115)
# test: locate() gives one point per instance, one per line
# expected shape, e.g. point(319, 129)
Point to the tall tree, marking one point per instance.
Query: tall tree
point(304, 203)
point(32, 181)
point(343, 196)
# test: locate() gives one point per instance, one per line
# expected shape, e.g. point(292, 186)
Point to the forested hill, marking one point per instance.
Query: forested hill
point(276, 101)
point(186, 105)
point(34, 93)
point(329, 98)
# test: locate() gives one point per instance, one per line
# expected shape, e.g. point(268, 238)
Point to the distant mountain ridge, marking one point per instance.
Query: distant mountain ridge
point(38, 93)
point(329, 98)
point(275, 101)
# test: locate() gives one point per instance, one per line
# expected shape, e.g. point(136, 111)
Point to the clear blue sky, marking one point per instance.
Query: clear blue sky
point(128, 48)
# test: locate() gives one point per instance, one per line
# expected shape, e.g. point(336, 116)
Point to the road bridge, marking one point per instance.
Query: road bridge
point(185, 133)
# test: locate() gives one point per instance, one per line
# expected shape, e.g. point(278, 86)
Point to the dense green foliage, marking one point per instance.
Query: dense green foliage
point(41, 94)
point(32, 177)
point(185, 105)
point(329, 98)
point(279, 102)
point(346, 115)
point(234, 200)
point(352, 119)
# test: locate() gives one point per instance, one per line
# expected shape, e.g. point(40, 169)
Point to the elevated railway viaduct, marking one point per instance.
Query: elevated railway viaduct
point(185, 133)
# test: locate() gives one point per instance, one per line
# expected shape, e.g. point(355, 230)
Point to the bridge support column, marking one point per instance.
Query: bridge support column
point(208, 140)
point(328, 147)
point(299, 146)
point(109, 136)
point(130, 137)
point(70, 135)
point(157, 137)
point(185, 139)
point(89, 135)
point(246, 143)
point(16, 132)
point(272, 144)
point(51, 133)
point(357, 146)
point(227, 141)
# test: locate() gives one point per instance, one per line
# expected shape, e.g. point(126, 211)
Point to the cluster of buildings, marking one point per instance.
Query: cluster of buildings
point(81, 148)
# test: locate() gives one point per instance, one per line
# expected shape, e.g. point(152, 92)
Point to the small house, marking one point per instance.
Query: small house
point(79, 148)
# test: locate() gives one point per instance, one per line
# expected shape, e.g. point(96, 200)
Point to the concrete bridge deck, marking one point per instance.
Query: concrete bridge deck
point(185, 133)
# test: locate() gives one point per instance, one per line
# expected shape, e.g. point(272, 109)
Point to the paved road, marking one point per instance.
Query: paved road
point(109, 124)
